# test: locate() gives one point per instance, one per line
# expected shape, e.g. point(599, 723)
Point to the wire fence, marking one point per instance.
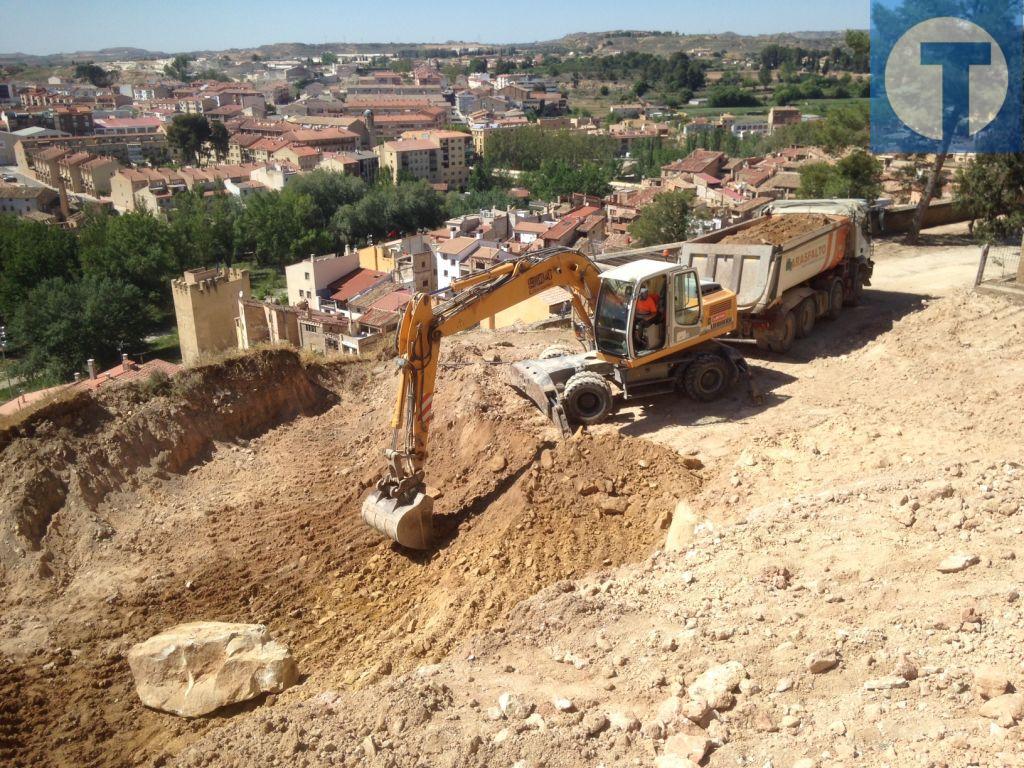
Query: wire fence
point(1000, 264)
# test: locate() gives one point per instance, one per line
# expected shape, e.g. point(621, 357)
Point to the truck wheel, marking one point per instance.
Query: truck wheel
point(706, 378)
point(856, 292)
point(785, 340)
point(587, 397)
point(556, 350)
point(836, 295)
point(806, 313)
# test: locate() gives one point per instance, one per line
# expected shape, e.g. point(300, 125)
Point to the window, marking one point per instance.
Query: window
point(307, 275)
point(687, 298)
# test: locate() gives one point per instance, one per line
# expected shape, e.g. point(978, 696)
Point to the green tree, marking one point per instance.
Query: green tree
point(389, 210)
point(219, 139)
point(62, 323)
point(666, 219)
point(731, 96)
point(134, 249)
point(328, 57)
point(30, 252)
point(858, 175)
point(94, 74)
point(328, 191)
point(557, 178)
point(179, 68)
point(991, 189)
point(764, 76)
point(188, 134)
point(280, 229)
point(202, 229)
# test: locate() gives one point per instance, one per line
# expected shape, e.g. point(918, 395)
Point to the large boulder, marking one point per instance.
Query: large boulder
point(196, 668)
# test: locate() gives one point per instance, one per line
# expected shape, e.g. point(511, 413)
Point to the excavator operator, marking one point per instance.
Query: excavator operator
point(648, 317)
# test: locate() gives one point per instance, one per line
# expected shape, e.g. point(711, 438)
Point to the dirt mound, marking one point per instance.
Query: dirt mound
point(68, 457)
point(777, 230)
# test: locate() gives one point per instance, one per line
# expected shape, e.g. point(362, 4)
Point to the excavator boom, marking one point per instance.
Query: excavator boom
point(400, 508)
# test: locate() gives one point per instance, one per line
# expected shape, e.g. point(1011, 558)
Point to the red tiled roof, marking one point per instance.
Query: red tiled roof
point(378, 318)
point(127, 371)
point(393, 301)
point(354, 283)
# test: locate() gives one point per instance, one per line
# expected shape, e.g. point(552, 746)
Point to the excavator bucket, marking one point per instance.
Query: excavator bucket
point(410, 525)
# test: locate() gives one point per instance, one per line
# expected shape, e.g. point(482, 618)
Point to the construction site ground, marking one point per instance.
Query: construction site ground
point(887, 442)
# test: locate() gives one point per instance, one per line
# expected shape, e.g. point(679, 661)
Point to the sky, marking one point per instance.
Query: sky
point(55, 26)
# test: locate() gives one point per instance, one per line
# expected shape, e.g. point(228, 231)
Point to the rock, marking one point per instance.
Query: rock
point(905, 668)
point(692, 462)
point(563, 705)
point(514, 706)
point(612, 505)
point(680, 530)
point(670, 709)
point(822, 661)
point(716, 685)
point(196, 668)
point(697, 711)
point(594, 723)
point(838, 727)
point(790, 721)
point(957, 563)
point(623, 721)
point(490, 356)
point(690, 746)
point(990, 682)
point(547, 459)
point(804, 762)
point(1005, 710)
point(497, 463)
point(784, 685)
point(886, 683)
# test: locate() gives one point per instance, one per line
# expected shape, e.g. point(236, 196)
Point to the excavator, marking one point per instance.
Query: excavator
point(648, 327)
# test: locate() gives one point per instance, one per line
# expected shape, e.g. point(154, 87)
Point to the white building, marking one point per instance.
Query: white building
point(308, 280)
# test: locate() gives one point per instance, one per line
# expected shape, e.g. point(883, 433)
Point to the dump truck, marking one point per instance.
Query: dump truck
point(801, 261)
point(647, 327)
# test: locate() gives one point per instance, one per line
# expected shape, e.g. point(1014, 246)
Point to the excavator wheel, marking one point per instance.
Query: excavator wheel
point(785, 340)
point(805, 316)
point(587, 398)
point(556, 350)
point(706, 378)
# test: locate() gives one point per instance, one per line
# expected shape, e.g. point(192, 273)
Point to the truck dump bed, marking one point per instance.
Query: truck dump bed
point(761, 259)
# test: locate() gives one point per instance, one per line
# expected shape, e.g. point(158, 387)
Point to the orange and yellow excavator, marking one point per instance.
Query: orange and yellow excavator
point(648, 327)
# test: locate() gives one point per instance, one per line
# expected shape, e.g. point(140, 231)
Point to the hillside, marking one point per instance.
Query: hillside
point(798, 550)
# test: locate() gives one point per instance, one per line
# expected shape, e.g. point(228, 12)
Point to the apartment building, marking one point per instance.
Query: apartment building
point(21, 200)
point(308, 280)
point(439, 157)
point(76, 120)
point(129, 150)
point(365, 165)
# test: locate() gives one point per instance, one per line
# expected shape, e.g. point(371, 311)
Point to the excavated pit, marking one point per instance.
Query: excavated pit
point(235, 496)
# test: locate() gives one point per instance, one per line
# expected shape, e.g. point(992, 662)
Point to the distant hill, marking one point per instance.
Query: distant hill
point(667, 43)
point(660, 43)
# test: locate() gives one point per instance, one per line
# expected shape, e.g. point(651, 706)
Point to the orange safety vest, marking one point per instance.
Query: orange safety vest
point(648, 306)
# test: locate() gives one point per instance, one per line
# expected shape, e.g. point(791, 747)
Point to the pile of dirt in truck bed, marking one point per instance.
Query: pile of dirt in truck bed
point(236, 497)
point(778, 230)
